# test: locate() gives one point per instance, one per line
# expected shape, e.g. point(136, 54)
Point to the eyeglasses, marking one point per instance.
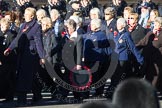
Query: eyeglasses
point(107, 14)
point(130, 18)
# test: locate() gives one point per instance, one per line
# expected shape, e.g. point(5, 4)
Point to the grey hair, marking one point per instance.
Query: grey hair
point(110, 10)
point(95, 11)
point(42, 12)
point(48, 21)
point(77, 19)
point(55, 11)
point(96, 22)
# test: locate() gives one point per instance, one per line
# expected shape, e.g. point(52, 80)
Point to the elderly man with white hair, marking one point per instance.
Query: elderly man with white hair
point(97, 49)
point(57, 21)
point(124, 47)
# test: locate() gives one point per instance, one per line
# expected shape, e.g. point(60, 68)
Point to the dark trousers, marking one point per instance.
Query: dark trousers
point(36, 90)
point(102, 69)
point(120, 74)
point(98, 71)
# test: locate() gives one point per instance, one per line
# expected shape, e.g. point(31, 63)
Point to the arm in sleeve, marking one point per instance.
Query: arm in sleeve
point(38, 42)
point(134, 50)
point(79, 49)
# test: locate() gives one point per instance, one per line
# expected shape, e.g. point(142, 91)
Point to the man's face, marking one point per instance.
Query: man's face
point(28, 16)
point(108, 16)
point(144, 10)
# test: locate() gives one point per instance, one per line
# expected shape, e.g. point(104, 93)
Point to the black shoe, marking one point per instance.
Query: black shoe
point(21, 99)
point(109, 95)
point(99, 95)
point(21, 104)
point(7, 100)
point(38, 102)
point(37, 98)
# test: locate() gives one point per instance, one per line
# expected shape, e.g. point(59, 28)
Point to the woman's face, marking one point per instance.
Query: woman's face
point(93, 27)
point(157, 25)
point(70, 29)
point(4, 27)
point(8, 17)
point(28, 16)
point(119, 26)
point(39, 17)
point(152, 16)
point(44, 26)
point(93, 16)
point(132, 20)
point(126, 14)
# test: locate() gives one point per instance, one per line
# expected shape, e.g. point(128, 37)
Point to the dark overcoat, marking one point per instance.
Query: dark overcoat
point(30, 48)
point(8, 64)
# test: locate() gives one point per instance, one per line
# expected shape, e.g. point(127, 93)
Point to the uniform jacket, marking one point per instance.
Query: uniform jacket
point(124, 44)
point(96, 46)
point(5, 40)
point(111, 27)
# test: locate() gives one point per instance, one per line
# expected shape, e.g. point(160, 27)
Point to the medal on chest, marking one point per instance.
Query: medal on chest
point(120, 41)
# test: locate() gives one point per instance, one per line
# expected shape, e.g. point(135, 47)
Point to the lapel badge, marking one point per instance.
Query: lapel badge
point(120, 40)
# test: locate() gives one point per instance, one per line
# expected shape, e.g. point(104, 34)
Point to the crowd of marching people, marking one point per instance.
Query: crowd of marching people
point(73, 37)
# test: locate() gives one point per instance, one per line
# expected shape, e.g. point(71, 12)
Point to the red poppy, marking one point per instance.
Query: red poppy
point(111, 30)
point(115, 33)
point(63, 33)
